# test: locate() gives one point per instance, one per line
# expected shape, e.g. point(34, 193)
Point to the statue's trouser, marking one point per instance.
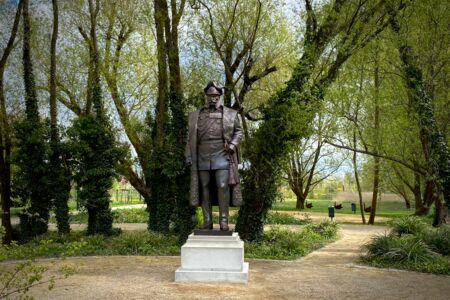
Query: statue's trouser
point(223, 197)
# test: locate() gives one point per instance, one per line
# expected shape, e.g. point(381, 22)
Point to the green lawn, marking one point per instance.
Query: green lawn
point(392, 209)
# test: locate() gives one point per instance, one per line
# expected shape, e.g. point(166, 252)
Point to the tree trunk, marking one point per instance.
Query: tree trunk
point(159, 217)
point(5, 189)
point(300, 201)
point(358, 185)
point(5, 137)
point(440, 213)
point(376, 169)
point(418, 195)
point(407, 202)
point(181, 182)
point(59, 178)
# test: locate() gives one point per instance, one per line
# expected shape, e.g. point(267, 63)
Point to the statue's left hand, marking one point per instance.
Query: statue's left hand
point(230, 148)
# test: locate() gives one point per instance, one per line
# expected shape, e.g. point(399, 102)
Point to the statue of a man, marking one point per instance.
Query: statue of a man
point(212, 151)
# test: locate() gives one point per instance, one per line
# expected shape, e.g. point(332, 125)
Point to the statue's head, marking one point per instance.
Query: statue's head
point(213, 91)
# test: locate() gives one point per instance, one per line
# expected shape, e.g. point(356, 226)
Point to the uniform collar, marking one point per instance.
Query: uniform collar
point(206, 107)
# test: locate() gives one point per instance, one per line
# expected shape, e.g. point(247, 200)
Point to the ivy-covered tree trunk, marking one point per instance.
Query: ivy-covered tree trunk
point(160, 205)
point(170, 178)
point(422, 104)
point(94, 143)
point(178, 127)
point(285, 121)
point(33, 150)
point(269, 146)
point(5, 137)
point(59, 177)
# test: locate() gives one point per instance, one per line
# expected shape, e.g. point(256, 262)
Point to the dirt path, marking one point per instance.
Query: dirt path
point(329, 273)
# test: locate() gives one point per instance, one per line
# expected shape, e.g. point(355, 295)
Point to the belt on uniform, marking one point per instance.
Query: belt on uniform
point(211, 142)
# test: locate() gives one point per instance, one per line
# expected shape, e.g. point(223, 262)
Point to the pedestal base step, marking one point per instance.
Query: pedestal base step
point(186, 275)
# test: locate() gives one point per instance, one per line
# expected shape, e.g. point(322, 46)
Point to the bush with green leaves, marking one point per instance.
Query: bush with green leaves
point(282, 243)
point(278, 243)
point(408, 225)
point(96, 154)
point(412, 245)
point(76, 243)
point(438, 240)
point(326, 229)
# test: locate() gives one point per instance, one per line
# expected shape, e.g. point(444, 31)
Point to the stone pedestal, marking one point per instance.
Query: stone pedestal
point(207, 258)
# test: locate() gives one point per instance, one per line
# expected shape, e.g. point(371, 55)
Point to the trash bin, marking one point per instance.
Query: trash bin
point(331, 212)
point(354, 207)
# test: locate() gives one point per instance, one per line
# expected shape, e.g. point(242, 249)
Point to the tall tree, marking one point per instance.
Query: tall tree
point(170, 177)
point(422, 103)
point(33, 149)
point(59, 177)
point(352, 26)
point(309, 163)
point(94, 142)
point(5, 136)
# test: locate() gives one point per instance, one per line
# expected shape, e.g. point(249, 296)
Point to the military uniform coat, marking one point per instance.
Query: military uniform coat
point(232, 134)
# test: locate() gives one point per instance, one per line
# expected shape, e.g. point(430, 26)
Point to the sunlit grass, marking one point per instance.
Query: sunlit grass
point(389, 208)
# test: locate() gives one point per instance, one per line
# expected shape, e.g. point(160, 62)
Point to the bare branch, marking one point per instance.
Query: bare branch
point(388, 157)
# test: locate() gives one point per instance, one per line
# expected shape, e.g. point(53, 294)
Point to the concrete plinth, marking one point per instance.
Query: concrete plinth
point(206, 258)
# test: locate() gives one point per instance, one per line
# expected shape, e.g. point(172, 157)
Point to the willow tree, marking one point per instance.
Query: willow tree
point(345, 26)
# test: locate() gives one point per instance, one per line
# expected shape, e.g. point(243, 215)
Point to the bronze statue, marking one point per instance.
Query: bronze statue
point(212, 152)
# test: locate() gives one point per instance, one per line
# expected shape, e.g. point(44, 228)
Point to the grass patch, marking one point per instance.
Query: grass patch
point(391, 209)
point(411, 245)
point(279, 243)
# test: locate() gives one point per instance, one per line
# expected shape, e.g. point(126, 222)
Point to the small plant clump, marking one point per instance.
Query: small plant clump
point(412, 245)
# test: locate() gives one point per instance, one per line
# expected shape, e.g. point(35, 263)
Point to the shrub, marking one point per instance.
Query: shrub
point(408, 225)
point(411, 245)
point(326, 229)
point(285, 219)
point(145, 243)
point(280, 243)
point(408, 248)
point(379, 245)
point(134, 215)
point(438, 240)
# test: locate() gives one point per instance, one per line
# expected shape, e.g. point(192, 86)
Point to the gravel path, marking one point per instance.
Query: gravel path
point(329, 273)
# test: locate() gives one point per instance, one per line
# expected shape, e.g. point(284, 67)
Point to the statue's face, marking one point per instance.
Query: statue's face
point(213, 100)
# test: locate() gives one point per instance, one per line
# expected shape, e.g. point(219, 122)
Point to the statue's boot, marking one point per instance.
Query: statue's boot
point(223, 197)
point(224, 224)
point(223, 214)
point(206, 200)
point(207, 214)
